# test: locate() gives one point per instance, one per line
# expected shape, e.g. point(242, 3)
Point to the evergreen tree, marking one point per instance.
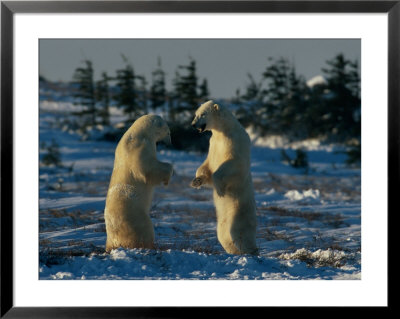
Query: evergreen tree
point(185, 92)
point(315, 116)
point(237, 99)
point(203, 91)
point(294, 115)
point(189, 86)
point(158, 93)
point(250, 110)
point(175, 98)
point(284, 100)
point(276, 77)
point(42, 79)
point(343, 102)
point(103, 98)
point(85, 95)
point(142, 94)
point(127, 91)
point(253, 89)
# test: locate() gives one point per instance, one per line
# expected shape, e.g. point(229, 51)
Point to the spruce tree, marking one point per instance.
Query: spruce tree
point(103, 98)
point(343, 102)
point(189, 85)
point(237, 99)
point(203, 91)
point(282, 98)
point(142, 94)
point(126, 96)
point(251, 102)
point(158, 93)
point(185, 92)
point(175, 98)
point(316, 114)
point(295, 107)
point(85, 95)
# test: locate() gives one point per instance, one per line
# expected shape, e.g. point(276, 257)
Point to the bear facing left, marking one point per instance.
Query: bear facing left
point(135, 174)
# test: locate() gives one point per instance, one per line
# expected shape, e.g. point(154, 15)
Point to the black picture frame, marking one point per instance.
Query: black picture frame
point(9, 8)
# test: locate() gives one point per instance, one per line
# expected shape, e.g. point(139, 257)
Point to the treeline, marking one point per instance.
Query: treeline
point(132, 93)
point(283, 103)
point(280, 102)
point(135, 96)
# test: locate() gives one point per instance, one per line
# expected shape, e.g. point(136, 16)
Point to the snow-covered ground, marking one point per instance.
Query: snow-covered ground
point(309, 221)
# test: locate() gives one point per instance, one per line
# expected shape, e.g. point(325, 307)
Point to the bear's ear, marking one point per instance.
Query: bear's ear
point(216, 107)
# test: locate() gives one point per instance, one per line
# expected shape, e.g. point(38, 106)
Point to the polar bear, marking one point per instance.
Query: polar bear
point(227, 170)
point(136, 172)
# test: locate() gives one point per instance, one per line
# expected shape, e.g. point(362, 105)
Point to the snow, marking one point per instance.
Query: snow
point(171, 264)
point(294, 195)
point(316, 80)
point(309, 221)
point(280, 142)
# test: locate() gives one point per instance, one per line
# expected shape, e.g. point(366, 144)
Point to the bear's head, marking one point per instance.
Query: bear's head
point(153, 127)
point(205, 116)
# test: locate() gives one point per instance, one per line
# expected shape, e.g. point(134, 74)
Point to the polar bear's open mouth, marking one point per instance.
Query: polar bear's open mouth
point(202, 128)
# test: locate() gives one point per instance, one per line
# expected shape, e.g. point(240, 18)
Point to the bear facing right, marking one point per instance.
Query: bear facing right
point(227, 170)
point(136, 172)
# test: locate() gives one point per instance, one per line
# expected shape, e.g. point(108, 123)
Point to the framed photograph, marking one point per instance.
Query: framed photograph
point(164, 155)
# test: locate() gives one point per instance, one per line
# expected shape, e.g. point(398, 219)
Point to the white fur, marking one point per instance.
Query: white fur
point(227, 170)
point(136, 172)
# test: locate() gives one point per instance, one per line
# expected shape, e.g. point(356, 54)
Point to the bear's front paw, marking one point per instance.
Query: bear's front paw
point(196, 182)
point(170, 171)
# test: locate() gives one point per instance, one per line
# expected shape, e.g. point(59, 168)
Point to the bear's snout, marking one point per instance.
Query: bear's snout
point(195, 124)
point(199, 125)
